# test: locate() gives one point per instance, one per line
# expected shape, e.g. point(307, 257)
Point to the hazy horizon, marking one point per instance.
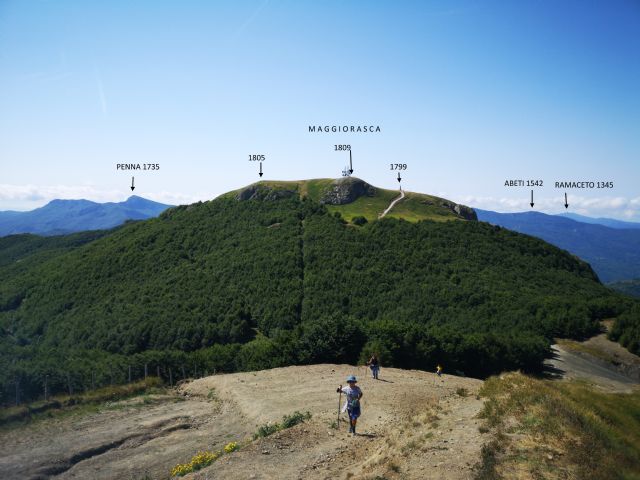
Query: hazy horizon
point(567, 214)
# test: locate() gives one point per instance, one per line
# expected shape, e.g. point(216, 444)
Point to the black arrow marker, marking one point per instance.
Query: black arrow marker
point(132, 185)
point(350, 163)
point(399, 177)
point(260, 169)
point(532, 204)
point(566, 204)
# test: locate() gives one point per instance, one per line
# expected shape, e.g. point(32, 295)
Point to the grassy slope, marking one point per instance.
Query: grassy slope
point(368, 207)
point(414, 207)
point(553, 430)
point(17, 416)
point(417, 206)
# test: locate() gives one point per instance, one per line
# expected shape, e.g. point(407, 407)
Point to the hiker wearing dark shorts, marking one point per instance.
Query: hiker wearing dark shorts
point(352, 405)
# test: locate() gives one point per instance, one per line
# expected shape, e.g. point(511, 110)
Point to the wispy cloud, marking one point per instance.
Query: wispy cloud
point(603, 206)
point(249, 20)
point(33, 194)
point(174, 198)
point(28, 197)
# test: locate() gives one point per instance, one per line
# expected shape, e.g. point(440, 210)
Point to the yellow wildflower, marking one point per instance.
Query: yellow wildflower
point(231, 447)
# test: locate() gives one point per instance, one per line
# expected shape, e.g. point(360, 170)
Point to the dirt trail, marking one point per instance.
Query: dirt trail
point(392, 204)
point(411, 426)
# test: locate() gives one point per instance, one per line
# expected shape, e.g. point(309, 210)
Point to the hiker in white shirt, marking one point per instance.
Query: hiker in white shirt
point(352, 404)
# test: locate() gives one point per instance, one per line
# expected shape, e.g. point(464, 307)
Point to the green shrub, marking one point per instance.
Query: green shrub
point(266, 430)
point(288, 421)
point(295, 418)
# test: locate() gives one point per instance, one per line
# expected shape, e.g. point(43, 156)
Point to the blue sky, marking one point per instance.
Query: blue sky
point(467, 93)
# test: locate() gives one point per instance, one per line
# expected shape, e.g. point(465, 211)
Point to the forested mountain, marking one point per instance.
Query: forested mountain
point(67, 216)
point(614, 253)
point(269, 276)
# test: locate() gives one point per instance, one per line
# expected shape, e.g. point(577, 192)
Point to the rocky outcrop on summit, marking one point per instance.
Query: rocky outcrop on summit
point(263, 192)
point(465, 212)
point(346, 190)
point(460, 210)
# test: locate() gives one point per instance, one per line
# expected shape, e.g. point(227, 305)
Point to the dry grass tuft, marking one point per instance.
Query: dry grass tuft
point(549, 429)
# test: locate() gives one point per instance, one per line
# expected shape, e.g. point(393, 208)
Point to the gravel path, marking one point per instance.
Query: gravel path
point(392, 204)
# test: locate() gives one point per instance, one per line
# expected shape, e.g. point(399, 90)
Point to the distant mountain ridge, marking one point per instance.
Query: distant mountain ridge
point(614, 253)
point(67, 216)
point(607, 222)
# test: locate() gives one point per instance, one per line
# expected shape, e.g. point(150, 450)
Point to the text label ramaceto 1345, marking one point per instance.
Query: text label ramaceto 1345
point(583, 184)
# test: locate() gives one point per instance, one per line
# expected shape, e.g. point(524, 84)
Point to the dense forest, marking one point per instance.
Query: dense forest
point(626, 330)
point(276, 280)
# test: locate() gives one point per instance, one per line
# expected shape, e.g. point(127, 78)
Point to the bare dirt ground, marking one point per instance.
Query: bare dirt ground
point(598, 360)
point(411, 426)
point(136, 439)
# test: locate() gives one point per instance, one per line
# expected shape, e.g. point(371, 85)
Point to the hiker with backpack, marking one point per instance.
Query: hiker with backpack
point(352, 404)
point(374, 365)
